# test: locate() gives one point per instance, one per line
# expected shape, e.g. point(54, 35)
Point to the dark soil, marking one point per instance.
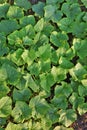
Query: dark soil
point(81, 123)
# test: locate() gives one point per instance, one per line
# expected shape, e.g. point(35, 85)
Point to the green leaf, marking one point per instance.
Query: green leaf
point(82, 90)
point(84, 82)
point(15, 12)
point(12, 126)
point(3, 49)
point(8, 26)
point(80, 30)
point(40, 105)
point(60, 102)
point(71, 10)
point(34, 69)
point(57, 16)
point(3, 74)
point(39, 40)
point(46, 81)
point(25, 4)
point(65, 63)
point(82, 49)
point(84, 2)
point(78, 72)
point(53, 114)
point(5, 106)
point(21, 83)
point(63, 89)
point(16, 57)
point(67, 117)
point(2, 38)
point(13, 75)
point(82, 108)
point(4, 89)
point(44, 52)
point(48, 28)
point(2, 121)
point(58, 38)
point(49, 11)
point(30, 82)
point(21, 112)
point(65, 24)
point(58, 73)
point(3, 10)
point(22, 95)
point(39, 9)
point(75, 100)
point(26, 20)
point(39, 25)
point(85, 17)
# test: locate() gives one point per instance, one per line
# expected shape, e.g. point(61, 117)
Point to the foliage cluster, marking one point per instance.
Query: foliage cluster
point(43, 64)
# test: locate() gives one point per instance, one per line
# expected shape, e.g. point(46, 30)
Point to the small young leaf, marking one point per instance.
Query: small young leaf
point(67, 117)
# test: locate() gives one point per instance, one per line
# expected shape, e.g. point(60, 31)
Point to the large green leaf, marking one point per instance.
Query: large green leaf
point(65, 63)
point(5, 106)
point(8, 26)
point(75, 100)
point(44, 52)
point(60, 102)
point(21, 112)
point(63, 89)
point(22, 95)
point(65, 24)
point(58, 73)
point(78, 72)
point(58, 38)
point(13, 75)
point(67, 117)
point(71, 10)
point(79, 31)
point(40, 105)
point(15, 12)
